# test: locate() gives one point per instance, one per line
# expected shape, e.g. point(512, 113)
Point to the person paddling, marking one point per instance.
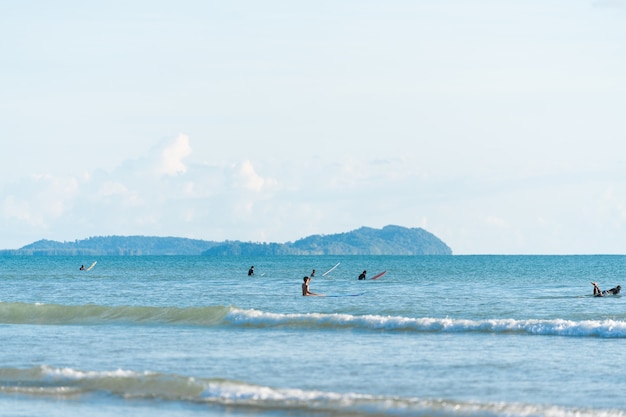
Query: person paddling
point(597, 292)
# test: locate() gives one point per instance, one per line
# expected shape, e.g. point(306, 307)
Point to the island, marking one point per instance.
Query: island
point(389, 240)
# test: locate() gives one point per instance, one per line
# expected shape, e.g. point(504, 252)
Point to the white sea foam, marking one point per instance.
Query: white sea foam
point(550, 327)
point(69, 373)
point(216, 315)
point(51, 381)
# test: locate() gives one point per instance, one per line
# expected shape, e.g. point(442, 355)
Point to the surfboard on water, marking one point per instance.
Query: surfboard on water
point(92, 265)
point(331, 269)
point(379, 275)
point(343, 295)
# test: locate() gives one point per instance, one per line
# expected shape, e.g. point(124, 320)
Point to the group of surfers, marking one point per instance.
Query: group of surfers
point(307, 280)
point(597, 292)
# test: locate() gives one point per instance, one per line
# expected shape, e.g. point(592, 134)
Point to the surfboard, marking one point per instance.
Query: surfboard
point(343, 295)
point(379, 275)
point(331, 269)
point(92, 265)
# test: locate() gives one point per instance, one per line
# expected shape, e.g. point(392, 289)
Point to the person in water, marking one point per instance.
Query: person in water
point(305, 287)
point(251, 271)
point(597, 292)
point(312, 273)
point(362, 276)
point(82, 267)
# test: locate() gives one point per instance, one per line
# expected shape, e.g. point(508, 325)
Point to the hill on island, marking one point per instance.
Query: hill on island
point(390, 240)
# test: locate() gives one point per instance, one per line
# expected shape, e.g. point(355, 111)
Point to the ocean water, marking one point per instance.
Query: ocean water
point(195, 336)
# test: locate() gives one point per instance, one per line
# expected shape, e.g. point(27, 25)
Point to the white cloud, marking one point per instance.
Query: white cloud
point(19, 210)
point(172, 156)
point(295, 198)
point(41, 198)
point(245, 177)
point(112, 192)
point(110, 188)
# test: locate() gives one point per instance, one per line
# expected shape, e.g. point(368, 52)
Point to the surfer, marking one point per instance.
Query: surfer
point(82, 268)
point(362, 276)
point(312, 273)
point(597, 292)
point(305, 287)
point(251, 271)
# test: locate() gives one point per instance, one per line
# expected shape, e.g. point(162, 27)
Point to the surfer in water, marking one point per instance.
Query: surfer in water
point(305, 287)
point(82, 267)
point(597, 292)
point(251, 271)
point(312, 273)
point(362, 276)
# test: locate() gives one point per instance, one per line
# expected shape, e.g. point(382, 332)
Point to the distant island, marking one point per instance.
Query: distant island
point(390, 240)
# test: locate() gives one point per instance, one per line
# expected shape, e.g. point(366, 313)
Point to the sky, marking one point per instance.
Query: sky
point(497, 125)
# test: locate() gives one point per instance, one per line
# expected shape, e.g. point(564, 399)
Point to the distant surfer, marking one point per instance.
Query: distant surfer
point(362, 276)
point(251, 271)
point(82, 267)
point(305, 287)
point(312, 273)
point(597, 292)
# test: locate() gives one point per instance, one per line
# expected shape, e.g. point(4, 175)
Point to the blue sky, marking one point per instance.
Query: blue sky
point(499, 126)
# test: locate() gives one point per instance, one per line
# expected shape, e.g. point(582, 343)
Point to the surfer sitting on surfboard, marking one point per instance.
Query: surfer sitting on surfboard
point(305, 287)
point(362, 276)
point(597, 292)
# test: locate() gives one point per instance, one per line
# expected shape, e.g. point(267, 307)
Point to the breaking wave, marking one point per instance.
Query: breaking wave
point(51, 314)
point(68, 383)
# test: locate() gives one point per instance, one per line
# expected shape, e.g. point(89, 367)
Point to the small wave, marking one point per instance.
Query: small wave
point(52, 314)
point(554, 327)
point(68, 383)
point(22, 313)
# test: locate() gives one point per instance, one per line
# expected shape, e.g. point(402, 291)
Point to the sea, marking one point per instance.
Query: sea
point(194, 336)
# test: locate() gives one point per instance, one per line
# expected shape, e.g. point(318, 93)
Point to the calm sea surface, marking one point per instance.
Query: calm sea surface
point(195, 336)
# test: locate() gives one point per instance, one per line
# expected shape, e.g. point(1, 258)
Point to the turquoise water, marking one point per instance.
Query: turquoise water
point(435, 336)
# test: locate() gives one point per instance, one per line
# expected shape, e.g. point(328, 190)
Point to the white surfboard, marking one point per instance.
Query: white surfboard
point(331, 269)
